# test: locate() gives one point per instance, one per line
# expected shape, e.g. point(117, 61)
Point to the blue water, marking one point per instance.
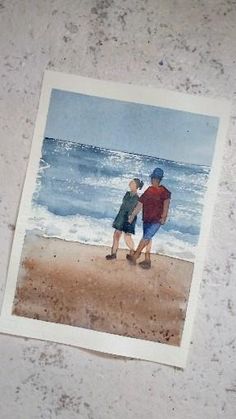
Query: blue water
point(80, 189)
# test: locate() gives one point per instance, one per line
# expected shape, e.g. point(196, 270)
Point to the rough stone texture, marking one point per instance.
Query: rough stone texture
point(184, 45)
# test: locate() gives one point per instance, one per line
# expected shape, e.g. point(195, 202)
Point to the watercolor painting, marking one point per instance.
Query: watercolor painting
point(90, 259)
point(109, 246)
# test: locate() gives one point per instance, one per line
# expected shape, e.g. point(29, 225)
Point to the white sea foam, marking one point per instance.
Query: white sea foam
point(92, 231)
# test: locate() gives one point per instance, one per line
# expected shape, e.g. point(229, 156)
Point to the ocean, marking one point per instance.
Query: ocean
point(79, 190)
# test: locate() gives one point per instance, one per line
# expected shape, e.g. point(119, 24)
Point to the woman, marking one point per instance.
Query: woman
point(121, 223)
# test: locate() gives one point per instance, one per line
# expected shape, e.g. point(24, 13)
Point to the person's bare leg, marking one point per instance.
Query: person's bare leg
point(130, 243)
point(142, 244)
point(149, 247)
point(116, 240)
point(146, 264)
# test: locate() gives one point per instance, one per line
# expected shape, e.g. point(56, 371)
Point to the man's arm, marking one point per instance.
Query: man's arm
point(164, 215)
point(135, 212)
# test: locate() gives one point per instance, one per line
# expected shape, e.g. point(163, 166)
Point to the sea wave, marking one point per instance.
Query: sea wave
point(89, 230)
point(80, 189)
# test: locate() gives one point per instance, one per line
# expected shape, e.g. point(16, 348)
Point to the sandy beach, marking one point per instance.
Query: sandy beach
point(72, 283)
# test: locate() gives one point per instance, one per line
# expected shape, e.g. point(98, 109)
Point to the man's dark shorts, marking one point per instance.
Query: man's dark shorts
point(150, 229)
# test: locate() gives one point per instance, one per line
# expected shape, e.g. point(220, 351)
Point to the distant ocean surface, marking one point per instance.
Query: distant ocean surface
point(80, 189)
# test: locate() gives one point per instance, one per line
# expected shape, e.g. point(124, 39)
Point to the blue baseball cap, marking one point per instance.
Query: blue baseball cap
point(157, 173)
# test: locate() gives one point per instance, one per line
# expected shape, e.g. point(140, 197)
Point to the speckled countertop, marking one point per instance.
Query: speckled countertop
point(184, 45)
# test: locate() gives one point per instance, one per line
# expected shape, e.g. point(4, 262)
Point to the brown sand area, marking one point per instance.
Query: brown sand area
point(72, 283)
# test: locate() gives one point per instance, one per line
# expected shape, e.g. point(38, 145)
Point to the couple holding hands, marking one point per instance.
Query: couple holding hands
point(154, 204)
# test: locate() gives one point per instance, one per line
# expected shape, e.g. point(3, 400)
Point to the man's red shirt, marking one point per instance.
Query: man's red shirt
point(153, 200)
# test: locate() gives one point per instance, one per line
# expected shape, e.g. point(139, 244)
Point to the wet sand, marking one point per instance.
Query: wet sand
point(72, 283)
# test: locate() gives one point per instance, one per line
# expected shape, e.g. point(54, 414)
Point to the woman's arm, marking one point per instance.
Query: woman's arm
point(166, 205)
point(135, 212)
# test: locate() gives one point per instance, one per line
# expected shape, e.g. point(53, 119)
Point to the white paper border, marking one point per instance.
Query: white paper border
point(85, 338)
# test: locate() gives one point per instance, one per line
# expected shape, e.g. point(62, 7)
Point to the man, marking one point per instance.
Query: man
point(154, 204)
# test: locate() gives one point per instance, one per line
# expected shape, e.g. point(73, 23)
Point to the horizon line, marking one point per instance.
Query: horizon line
point(128, 152)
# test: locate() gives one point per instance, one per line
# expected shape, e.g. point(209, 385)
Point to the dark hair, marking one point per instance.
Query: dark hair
point(139, 183)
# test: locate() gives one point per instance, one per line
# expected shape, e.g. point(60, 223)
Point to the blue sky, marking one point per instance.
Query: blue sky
point(132, 127)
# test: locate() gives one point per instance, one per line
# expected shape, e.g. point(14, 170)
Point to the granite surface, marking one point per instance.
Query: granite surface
point(184, 45)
